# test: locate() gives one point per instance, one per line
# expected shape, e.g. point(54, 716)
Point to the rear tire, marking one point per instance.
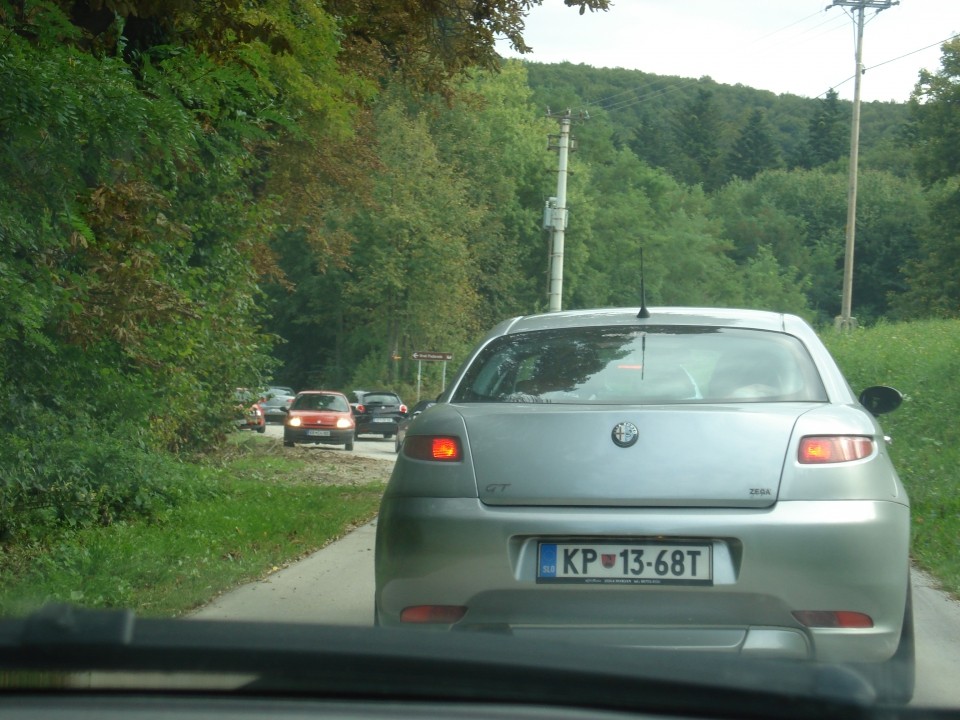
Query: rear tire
point(348, 446)
point(894, 679)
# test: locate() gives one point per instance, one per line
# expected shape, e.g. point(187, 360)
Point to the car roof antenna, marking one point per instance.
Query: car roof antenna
point(644, 313)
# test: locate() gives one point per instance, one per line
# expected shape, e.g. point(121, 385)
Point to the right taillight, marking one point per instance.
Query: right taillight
point(441, 448)
point(823, 449)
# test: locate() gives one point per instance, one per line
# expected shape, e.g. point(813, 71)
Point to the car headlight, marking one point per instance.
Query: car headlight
point(294, 422)
point(343, 423)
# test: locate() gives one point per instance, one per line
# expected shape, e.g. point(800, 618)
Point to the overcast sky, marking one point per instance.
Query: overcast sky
point(786, 46)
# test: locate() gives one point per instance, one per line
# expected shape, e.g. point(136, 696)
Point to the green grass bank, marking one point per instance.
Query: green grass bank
point(252, 509)
point(922, 360)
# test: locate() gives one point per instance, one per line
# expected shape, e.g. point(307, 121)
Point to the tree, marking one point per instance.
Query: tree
point(494, 138)
point(754, 149)
point(827, 134)
point(430, 42)
point(697, 131)
point(799, 217)
point(935, 110)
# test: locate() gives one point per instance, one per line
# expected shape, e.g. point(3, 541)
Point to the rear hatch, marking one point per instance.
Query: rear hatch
point(684, 456)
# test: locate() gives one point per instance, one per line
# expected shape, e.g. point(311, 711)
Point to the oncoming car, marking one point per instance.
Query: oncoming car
point(695, 479)
point(319, 417)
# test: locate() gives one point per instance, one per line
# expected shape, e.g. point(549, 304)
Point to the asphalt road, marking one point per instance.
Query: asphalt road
point(335, 586)
point(366, 446)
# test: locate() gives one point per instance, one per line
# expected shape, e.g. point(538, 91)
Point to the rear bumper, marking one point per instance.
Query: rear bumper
point(838, 555)
point(369, 427)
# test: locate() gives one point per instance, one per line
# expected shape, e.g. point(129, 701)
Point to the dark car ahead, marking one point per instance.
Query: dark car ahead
point(276, 405)
point(379, 413)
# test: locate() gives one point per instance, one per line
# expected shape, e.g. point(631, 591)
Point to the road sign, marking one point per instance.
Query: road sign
point(423, 355)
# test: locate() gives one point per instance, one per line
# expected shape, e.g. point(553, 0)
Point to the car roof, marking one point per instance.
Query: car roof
point(320, 392)
point(699, 316)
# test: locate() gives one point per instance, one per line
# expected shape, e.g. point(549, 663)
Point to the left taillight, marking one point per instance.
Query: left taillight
point(438, 448)
point(823, 449)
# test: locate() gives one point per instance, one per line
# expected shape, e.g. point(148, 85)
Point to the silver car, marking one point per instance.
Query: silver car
point(696, 479)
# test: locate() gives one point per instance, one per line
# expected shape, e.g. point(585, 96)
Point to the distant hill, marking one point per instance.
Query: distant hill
point(644, 110)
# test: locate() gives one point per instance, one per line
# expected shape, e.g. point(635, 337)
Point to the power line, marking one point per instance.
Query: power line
point(892, 60)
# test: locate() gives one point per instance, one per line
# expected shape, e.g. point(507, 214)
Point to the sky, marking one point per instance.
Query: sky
point(785, 46)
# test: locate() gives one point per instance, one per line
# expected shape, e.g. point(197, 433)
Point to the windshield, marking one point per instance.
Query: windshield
point(315, 401)
point(522, 330)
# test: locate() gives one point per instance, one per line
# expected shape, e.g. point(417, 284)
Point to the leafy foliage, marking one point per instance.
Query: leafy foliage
point(754, 150)
point(827, 135)
point(935, 132)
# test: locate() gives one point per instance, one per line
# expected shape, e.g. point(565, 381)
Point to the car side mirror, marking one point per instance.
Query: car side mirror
point(880, 399)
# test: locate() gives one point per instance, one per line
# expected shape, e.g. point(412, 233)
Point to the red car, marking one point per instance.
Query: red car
point(319, 416)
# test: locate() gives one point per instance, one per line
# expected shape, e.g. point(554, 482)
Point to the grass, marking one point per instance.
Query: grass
point(922, 360)
point(269, 508)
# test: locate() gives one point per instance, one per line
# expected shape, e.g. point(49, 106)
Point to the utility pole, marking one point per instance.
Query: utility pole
point(846, 321)
point(555, 215)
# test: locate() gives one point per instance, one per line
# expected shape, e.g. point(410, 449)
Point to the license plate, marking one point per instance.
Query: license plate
point(389, 420)
point(318, 433)
point(625, 563)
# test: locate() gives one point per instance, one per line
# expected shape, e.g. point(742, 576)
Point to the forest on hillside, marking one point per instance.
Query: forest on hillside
point(201, 195)
point(737, 196)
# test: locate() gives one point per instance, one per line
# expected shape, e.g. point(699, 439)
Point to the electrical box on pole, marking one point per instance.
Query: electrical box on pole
point(554, 216)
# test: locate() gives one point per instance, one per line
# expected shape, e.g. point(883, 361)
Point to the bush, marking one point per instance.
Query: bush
point(56, 479)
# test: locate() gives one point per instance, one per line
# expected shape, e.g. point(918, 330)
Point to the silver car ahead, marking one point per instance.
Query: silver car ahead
point(695, 479)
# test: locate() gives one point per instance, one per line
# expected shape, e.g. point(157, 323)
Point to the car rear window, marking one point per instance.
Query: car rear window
point(652, 365)
point(380, 399)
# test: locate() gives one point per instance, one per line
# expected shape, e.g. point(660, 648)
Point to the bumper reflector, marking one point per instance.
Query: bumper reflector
point(833, 619)
point(441, 614)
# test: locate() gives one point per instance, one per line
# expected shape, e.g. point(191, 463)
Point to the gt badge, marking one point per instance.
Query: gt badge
point(625, 434)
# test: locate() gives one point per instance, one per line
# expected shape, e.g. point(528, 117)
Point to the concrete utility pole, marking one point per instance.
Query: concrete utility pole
point(845, 321)
point(555, 216)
